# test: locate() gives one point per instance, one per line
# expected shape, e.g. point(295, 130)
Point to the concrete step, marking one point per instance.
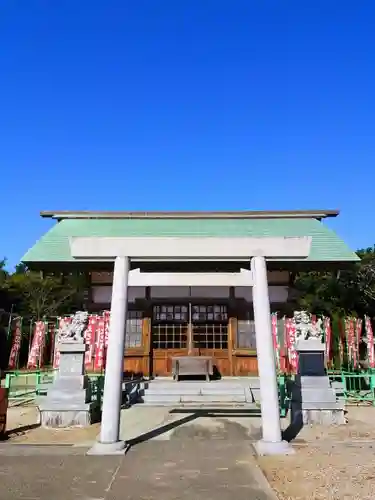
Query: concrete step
point(206, 405)
point(193, 386)
point(195, 390)
point(193, 398)
point(222, 392)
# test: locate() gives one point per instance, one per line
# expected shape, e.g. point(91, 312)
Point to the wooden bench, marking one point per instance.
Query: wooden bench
point(192, 366)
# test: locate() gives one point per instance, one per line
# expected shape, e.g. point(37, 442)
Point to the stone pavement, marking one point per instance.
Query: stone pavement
point(161, 423)
point(178, 469)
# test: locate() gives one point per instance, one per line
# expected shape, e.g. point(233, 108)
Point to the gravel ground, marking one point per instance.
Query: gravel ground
point(332, 472)
point(72, 436)
point(332, 463)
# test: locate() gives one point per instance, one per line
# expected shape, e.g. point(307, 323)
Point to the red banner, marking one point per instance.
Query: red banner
point(358, 335)
point(328, 338)
point(341, 341)
point(16, 345)
point(35, 355)
point(52, 332)
point(107, 317)
point(90, 336)
point(370, 342)
point(291, 340)
point(275, 338)
point(99, 362)
point(56, 357)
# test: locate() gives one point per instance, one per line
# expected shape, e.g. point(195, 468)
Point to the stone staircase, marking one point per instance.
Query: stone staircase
point(227, 392)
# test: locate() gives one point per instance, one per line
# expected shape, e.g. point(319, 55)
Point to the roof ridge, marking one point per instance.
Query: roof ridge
point(241, 214)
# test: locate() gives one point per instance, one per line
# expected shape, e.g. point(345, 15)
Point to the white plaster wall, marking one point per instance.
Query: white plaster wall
point(102, 294)
point(214, 292)
point(276, 293)
point(105, 277)
point(168, 292)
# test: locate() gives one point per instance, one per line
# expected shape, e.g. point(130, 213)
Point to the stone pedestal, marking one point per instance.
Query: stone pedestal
point(313, 398)
point(68, 401)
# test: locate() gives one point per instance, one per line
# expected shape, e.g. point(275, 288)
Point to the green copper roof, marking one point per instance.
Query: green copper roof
point(54, 245)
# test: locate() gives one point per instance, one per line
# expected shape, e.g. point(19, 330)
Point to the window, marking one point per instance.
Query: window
point(169, 327)
point(246, 338)
point(210, 336)
point(133, 337)
point(171, 313)
point(209, 313)
point(246, 334)
point(210, 326)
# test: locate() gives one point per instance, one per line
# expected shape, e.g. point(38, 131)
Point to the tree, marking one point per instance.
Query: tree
point(38, 296)
point(5, 302)
point(3, 272)
point(351, 291)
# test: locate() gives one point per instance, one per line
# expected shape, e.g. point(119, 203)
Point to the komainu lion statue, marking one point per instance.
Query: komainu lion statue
point(305, 328)
point(74, 330)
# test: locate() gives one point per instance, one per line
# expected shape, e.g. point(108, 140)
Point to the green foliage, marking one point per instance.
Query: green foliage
point(30, 294)
point(3, 272)
point(351, 291)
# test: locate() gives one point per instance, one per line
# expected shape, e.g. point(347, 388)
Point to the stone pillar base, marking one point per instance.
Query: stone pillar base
point(69, 417)
point(314, 400)
point(117, 448)
point(263, 448)
point(324, 417)
point(68, 401)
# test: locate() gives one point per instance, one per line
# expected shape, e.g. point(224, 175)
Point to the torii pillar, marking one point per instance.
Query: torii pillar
point(109, 441)
point(271, 442)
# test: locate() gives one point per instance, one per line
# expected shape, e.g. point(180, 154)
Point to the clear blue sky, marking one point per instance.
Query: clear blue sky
point(186, 104)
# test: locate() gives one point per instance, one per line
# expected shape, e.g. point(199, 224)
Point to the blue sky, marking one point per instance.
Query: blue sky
point(188, 104)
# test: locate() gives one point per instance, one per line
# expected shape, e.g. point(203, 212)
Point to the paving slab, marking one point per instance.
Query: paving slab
point(154, 470)
point(190, 470)
point(42, 477)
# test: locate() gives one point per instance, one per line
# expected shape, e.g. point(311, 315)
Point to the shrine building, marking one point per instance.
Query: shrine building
point(187, 279)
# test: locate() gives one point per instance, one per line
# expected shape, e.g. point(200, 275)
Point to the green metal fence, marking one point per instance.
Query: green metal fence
point(283, 381)
point(356, 387)
point(25, 386)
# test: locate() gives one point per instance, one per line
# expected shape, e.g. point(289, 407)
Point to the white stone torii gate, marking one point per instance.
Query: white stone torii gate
point(122, 250)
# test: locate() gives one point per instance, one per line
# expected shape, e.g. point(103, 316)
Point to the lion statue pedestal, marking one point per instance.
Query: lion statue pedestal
point(313, 398)
point(68, 402)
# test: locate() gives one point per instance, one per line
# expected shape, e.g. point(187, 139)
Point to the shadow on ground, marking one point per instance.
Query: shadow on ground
point(222, 428)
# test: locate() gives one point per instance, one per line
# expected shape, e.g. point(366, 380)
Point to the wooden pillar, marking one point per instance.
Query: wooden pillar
point(146, 343)
point(147, 334)
point(190, 342)
point(189, 332)
point(232, 333)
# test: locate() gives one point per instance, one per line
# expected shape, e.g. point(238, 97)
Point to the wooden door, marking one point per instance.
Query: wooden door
point(169, 336)
point(210, 334)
